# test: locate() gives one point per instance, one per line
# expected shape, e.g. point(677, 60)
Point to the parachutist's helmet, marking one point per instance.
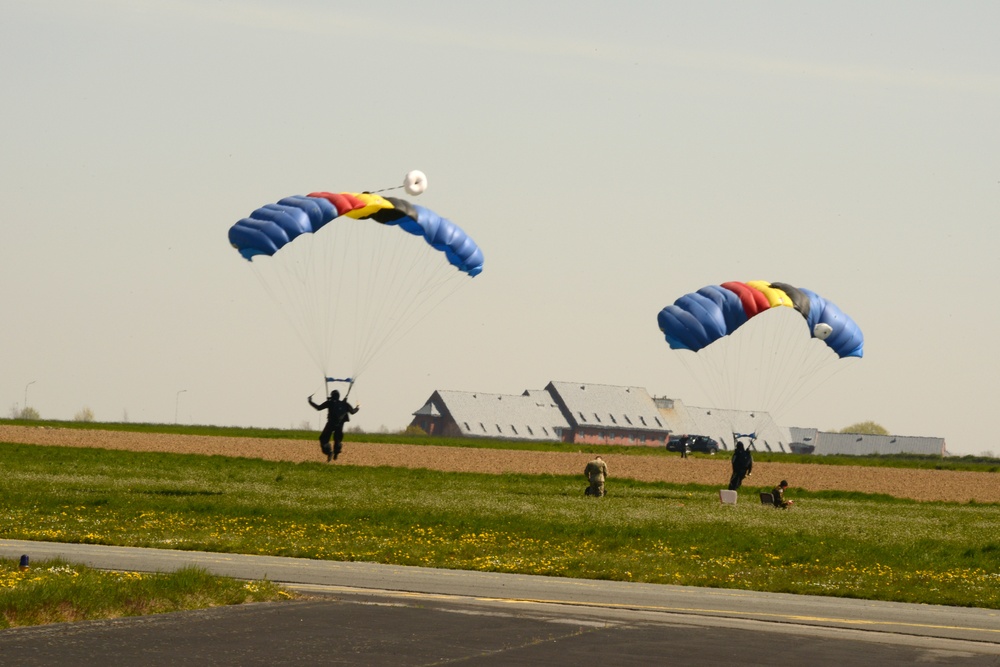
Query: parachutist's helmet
point(335, 394)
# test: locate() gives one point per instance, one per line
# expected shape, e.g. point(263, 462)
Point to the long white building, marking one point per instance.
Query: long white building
point(814, 441)
point(580, 412)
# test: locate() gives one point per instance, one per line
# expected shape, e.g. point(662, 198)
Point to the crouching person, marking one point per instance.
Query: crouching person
point(778, 495)
point(596, 472)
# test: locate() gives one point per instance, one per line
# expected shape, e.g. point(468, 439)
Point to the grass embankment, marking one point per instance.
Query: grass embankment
point(56, 591)
point(851, 545)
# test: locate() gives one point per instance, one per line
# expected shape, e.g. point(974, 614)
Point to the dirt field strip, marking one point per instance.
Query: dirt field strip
point(947, 485)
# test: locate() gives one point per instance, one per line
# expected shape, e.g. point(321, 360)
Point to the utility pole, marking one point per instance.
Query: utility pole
point(26, 394)
point(177, 403)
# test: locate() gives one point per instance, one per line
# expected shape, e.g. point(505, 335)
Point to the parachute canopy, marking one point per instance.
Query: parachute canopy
point(697, 320)
point(349, 271)
point(268, 229)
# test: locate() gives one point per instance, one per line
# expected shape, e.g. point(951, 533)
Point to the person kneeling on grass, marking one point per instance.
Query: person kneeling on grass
point(778, 495)
point(596, 471)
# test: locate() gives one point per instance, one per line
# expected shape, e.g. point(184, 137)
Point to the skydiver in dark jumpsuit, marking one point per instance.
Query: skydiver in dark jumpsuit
point(742, 466)
point(338, 413)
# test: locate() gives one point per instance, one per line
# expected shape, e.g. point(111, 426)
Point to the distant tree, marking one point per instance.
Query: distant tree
point(413, 429)
point(26, 413)
point(84, 415)
point(865, 428)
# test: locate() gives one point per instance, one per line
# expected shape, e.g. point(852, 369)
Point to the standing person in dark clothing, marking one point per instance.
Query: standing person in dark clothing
point(338, 413)
point(742, 465)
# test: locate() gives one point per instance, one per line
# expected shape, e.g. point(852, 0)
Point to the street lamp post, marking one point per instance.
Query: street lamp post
point(26, 394)
point(177, 403)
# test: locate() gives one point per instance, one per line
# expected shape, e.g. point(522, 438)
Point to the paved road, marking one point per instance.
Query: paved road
point(369, 614)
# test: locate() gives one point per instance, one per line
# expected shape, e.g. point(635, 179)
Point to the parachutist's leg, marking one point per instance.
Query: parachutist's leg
point(338, 440)
point(324, 441)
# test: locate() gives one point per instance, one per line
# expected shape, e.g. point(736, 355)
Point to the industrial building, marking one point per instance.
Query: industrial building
point(599, 414)
point(583, 413)
point(824, 443)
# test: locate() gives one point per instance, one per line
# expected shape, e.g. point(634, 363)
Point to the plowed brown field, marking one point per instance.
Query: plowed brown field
point(945, 485)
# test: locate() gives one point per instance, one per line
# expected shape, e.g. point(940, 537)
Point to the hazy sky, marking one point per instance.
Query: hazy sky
point(607, 157)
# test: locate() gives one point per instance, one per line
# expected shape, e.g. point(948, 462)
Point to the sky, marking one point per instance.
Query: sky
point(607, 157)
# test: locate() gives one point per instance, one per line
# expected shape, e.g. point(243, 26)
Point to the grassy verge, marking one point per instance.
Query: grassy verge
point(56, 591)
point(972, 463)
point(832, 543)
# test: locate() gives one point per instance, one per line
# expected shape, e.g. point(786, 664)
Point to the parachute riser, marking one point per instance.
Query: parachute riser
point(751, 436)
point(349, 381)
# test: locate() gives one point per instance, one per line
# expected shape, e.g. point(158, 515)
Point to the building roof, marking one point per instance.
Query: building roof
point(428, 409)
point(720, 424)
point(532, 415)
point(862, 444)
point(607, 406)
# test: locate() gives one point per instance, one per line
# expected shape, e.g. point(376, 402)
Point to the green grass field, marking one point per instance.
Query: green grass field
point(841, 544)
point(56, 591)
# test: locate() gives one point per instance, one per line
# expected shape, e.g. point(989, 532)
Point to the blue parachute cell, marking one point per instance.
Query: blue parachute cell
point(728, 303)
point(846, 339)
point(444, 235)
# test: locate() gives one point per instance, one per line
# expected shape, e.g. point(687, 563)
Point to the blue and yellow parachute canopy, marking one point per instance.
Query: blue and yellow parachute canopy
point(268, 229)
point(697, 320)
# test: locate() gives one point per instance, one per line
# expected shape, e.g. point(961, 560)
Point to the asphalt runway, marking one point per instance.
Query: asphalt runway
point(369, 614)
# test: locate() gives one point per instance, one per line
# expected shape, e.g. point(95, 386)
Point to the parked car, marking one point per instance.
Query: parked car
point(697, 443)
point(801, 448)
